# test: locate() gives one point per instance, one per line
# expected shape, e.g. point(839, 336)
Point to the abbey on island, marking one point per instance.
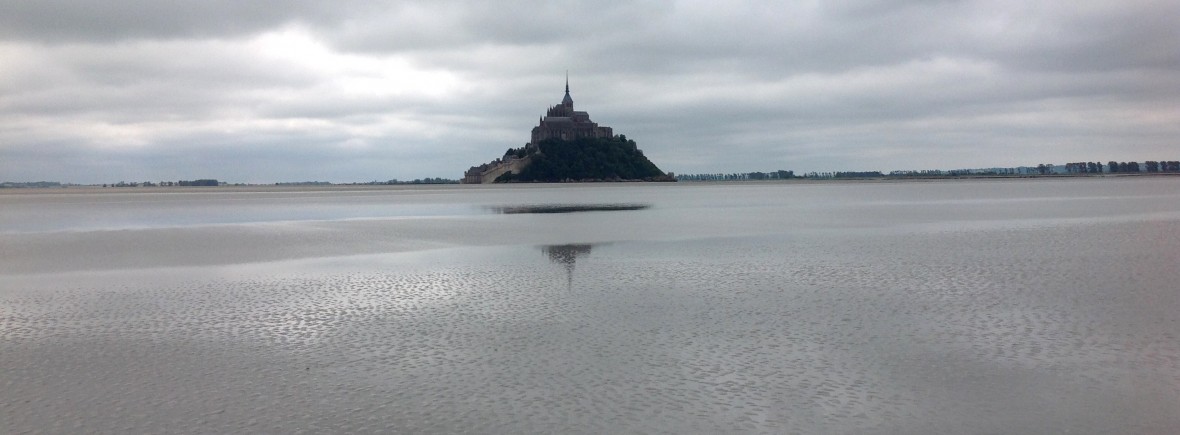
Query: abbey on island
point(565, 123)
point(560, 122)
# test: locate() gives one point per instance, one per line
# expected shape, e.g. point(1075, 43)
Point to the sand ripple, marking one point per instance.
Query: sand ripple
point(858, 332)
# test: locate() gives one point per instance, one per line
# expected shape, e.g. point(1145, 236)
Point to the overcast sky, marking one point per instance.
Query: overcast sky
point(265, 90)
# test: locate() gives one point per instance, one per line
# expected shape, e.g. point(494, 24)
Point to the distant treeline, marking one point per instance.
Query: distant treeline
point(201, 182)
point(773, 175)
point(426, 180)
point(10, 184)
point(777, 175)
point(847, 174)
point(1077, 168)
point(304, 183)
point(1118, 168)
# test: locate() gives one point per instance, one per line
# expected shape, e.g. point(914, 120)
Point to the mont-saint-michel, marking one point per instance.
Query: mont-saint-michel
point(567, 146)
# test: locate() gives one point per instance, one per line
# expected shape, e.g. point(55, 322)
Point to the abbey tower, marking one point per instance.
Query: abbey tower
point(563, 122)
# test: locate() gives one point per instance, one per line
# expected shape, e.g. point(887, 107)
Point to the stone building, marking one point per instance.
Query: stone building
point(487, 172)
point(563, 122)
point(560, 121)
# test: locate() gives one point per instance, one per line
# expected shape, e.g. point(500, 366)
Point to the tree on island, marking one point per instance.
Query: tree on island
point(201, 182)
point(584, 159)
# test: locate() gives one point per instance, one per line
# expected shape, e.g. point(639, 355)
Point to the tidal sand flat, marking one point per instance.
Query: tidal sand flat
point(1009, 306)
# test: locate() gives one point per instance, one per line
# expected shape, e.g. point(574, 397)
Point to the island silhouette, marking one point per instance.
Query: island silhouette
point(567, 146)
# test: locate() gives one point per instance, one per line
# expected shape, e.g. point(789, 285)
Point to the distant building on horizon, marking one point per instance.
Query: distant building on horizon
point(565, 123)
point(560, 122)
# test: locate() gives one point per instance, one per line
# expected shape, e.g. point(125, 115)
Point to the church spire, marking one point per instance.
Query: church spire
point(567, 101)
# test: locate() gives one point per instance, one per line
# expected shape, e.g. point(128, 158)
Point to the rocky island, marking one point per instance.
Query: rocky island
point(567, 146)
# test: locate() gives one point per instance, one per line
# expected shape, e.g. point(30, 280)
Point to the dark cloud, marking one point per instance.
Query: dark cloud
point(354, 91)
point(63, 21)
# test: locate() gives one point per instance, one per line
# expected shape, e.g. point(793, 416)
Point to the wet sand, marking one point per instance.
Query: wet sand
point(716, 310)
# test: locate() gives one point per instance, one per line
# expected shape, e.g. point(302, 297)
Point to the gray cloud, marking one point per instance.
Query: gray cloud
point(356, 91)
point(59, 21)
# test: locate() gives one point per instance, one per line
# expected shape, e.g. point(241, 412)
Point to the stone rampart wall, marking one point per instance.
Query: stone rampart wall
point(495, 170)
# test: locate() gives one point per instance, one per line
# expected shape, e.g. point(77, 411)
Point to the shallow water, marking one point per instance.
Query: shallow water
point(1013, 306)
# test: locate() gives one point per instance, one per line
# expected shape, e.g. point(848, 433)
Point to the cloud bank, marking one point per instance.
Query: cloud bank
point(356, 91)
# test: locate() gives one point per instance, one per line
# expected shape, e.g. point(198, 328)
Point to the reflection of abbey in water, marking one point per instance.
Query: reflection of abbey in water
point(566, 255)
